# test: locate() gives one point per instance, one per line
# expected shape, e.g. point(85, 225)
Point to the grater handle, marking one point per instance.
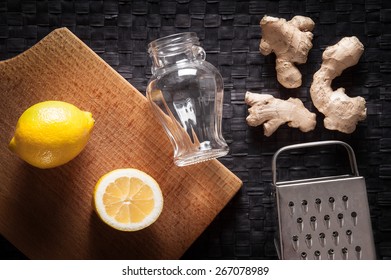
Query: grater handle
point(352, 157)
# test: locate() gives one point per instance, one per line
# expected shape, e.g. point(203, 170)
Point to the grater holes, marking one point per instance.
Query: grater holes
point(344, 251)
point(317, 255)
point(335, 236)
point(325, 228)
point(340, 216)
point(291, 206)
point(326, 219)
point(322, 239)
point(358, 252)
point(313, 223)
point(300, 224)
point(332, 203)
point(295, 242)
point(354, 218)
point(318, 204)
point(349, 235)
point(308, 240)
point(345, 200)
point(304, 206)
point(330, 254)
point(340, 219)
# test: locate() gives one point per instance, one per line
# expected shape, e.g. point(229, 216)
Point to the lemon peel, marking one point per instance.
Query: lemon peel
point(51, 133)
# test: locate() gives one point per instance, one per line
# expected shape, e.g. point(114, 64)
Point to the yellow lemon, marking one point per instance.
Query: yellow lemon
point(51, 133)
point(128, 199)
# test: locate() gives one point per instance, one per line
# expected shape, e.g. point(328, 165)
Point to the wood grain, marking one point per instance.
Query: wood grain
point(47, 214)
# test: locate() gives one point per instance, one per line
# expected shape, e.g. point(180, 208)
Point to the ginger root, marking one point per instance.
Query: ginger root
point(273, 112)
point(291, 42)
point(341, 112)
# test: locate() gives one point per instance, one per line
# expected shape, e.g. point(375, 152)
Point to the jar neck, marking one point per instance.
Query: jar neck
point(175, 48)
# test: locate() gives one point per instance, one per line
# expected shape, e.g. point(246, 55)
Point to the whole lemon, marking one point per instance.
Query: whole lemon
point(51, 133)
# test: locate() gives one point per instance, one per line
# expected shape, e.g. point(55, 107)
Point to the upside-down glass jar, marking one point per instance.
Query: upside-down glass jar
point(186, 94)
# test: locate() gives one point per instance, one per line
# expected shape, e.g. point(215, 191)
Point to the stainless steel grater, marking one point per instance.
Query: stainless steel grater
point(323, 218)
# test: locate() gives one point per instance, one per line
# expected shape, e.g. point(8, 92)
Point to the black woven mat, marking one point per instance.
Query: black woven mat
point(119, 32)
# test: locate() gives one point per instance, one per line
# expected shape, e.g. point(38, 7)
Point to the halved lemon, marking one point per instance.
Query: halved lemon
point(128, 199)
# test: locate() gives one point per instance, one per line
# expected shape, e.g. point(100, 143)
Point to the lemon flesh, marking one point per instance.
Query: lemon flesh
point(128, 199)
point(51, 133)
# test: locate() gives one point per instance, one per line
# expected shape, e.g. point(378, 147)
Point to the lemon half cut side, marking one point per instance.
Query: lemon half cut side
point(128, 199)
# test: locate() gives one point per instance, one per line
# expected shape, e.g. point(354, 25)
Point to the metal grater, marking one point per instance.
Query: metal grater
point(323, 218)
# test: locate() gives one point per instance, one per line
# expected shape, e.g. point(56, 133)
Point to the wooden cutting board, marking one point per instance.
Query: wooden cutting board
point(47, 214)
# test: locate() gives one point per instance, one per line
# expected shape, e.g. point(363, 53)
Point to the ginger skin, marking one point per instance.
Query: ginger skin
point(341, 112)
point(291, 42)
point(273, 112)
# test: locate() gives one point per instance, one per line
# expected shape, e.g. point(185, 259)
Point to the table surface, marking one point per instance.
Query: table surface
point(119, 32)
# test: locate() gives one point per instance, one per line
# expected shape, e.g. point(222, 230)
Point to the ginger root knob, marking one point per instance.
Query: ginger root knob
point(291, 42)
point(341, 112)
point(273, 112)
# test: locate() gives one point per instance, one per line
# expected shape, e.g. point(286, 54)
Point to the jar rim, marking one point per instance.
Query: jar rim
point(172, 42)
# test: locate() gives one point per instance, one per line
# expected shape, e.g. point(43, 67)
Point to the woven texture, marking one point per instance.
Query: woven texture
point(119, 32)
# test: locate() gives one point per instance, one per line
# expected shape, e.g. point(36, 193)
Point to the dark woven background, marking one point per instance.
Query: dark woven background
point(120, 31)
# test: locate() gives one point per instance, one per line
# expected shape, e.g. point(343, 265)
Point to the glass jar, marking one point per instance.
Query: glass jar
point(186, 94)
